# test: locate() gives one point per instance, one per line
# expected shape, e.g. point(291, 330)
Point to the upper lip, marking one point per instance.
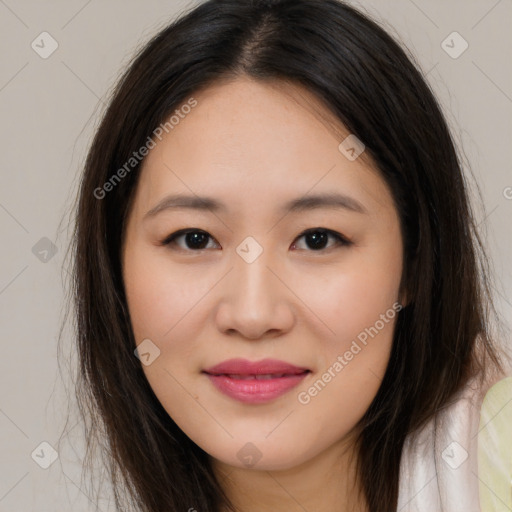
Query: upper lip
point(263, 367)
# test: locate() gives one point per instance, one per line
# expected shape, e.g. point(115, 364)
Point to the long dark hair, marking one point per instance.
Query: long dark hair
point(442, 337)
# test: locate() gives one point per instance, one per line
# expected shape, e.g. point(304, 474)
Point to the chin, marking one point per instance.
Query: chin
point(260, 456)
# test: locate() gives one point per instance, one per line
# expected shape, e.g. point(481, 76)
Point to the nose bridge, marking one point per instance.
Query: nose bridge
point(253, 279)
point(255, 301)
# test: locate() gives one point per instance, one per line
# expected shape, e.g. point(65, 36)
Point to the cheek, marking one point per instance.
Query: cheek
point(359, 305)
point(350, 298)
point(164, 303)
point(160, 295)
point(361, 310)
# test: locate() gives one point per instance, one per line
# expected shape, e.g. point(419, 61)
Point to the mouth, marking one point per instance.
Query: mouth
point(255, 382)
point(265, 376)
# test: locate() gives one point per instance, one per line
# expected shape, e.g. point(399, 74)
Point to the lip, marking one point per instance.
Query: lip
point(246, 367)
point(255, 382)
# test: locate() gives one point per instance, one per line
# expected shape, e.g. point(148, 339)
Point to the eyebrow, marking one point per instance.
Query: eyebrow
point(305, 203)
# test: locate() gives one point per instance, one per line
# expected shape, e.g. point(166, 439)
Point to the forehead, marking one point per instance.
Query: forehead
point(244, 108)
point(248, 140)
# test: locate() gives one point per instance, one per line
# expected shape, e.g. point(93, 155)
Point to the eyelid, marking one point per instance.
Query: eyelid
point(170, 238)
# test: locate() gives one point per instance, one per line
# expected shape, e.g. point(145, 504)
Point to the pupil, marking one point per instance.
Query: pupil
point(196, 240)
point(318, 239)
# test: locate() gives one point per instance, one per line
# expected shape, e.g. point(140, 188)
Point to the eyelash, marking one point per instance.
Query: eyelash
point(341, 240)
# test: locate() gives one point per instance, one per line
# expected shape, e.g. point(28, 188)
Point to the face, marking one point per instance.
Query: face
point(313, 288)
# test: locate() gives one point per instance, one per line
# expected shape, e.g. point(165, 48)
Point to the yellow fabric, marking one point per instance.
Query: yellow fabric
point(495, 449)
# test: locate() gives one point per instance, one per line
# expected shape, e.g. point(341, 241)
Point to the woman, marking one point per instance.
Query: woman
point(232, 356)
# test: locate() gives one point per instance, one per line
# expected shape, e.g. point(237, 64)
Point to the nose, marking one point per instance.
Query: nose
point(255, 302)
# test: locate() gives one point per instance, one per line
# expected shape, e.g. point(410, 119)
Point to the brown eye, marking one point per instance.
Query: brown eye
point(194, 239)
point(317, 239)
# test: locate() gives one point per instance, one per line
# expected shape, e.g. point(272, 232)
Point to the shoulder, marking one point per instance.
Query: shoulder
point(495, 447)
point(450, 464)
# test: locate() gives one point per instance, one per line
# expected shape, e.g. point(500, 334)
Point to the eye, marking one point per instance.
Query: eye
point(317, 238)
point(197, 239)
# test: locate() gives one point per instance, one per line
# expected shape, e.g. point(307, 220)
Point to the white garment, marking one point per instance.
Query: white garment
point(439, 471)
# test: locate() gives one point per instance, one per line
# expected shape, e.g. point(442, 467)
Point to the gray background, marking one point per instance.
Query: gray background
point(49, 109)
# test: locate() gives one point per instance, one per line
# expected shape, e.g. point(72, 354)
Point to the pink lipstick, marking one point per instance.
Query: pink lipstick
point(255, 382)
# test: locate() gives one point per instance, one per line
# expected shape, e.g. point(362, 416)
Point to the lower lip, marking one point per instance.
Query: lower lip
point(254, 391)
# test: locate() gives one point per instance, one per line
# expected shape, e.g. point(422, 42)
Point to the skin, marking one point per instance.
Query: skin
point(255, 146)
